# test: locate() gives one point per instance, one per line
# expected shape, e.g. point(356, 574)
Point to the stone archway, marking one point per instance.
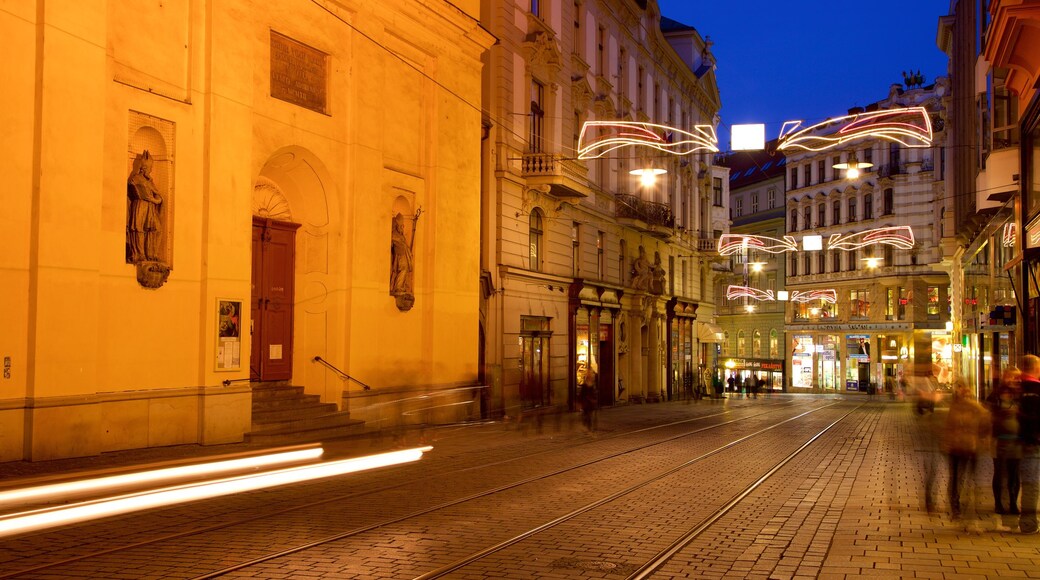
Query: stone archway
point(294, 186)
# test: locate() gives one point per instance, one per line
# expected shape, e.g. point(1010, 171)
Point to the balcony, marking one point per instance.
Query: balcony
point(647, 216)
point(891, 169)
point(566, 178)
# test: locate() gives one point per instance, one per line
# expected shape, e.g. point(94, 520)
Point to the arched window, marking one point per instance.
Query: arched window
point(535, 240)
point(726, 347)
point(794, 220)
point(756, 344)
point(868, 206)
point(741, 344)
point(852, 209)
point(774, 343)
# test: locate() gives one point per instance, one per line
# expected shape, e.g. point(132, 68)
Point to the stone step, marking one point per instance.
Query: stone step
point(300, 400)
point(323, 428)
point(268, 414)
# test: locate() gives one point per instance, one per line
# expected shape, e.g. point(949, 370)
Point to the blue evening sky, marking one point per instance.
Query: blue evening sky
point(811, 59)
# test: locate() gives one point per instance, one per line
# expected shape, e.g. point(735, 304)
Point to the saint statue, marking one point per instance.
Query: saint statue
point(144, 220)
point(641, 271)
point(400, 259)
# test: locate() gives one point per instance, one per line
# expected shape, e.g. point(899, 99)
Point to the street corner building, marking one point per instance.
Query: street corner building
point(207, 197)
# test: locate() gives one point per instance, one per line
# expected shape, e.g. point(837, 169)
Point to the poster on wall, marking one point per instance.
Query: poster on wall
point(229, 335)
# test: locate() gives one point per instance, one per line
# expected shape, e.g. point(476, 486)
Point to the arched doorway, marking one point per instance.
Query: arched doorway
point(293, 201)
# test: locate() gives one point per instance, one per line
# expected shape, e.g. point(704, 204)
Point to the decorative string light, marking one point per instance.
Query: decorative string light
point(599, 138)
point(734, 292)
point(830, 296)
point(901, 237)
point(910, 126)
point(1009, 236)
point(732, 243)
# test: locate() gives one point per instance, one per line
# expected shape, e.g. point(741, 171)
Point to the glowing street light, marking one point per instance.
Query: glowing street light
point(852, 166)
point(648, 176)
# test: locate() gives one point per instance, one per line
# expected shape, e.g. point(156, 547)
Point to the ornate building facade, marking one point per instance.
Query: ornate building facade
point(237, 190)
point(591, 281)
point(870, 314)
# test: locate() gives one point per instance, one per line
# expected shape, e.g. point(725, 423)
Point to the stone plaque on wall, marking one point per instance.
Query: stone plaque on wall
point(299, 73)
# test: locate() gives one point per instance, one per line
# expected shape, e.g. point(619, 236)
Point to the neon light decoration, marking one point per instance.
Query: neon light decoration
point(599, 138)
point(830, 296)
point(736, 292)
point(1009, 236)
point(901, 237)
point(910, 126)
point(732, 243)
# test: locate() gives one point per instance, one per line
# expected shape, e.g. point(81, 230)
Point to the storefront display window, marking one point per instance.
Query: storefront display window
point(802, 362)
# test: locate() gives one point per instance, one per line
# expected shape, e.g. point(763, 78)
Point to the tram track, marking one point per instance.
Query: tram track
point(24, 572)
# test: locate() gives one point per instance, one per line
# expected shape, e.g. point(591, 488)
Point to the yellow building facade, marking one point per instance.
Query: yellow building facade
point(341, 126)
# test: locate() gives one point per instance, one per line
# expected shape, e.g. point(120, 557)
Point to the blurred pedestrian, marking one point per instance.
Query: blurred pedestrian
point(926, 429)
point(1007, 451)
point(1029, 437)
point(966, 434)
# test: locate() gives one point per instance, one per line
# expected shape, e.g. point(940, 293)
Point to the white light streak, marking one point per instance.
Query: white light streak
point(599, 138)
point(40, 519)
point(901, 237)
point(733, 243)
point(910, 126)
point(828, 295)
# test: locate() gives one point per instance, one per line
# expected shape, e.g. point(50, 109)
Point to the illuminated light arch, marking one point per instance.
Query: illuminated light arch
point(734, 292)
point(732, 243)
point(1009, 236)
point(910, 126)
point(829, 296)
point(901, 237)
point(599, 138)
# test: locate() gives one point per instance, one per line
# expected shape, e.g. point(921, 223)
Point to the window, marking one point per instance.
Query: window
point(807, 214)
point(577, 28)
point(774, 343)
point(933, 302)
point(621, 70)
point(904, 300)
point(794, 265)
point(835, 213)
point(859, 303)
point(836, 261)
point(853, 260)
point(727, 349)
point(741, 344)
point(890, 256)
point(794, 221)
point(601, 55)
point(576, 248)
point(738, 208)
point(576, 135)
point(807, 174)
point(807, 264)
point(754, 202)
point(835, 172)
point(821, 166)
point(622, 257)
point(821, 215)
point(535, 240)
point(537, 117)
point(852, 209)
point(770, 198)
point(868, 206)
point(821, 262)
point(601, 264)
point(794, 178)
point(888, 202)
point(868, 155)
point(655, 102)
point(716, 191)
point(535, 386)
point(756, 343)
point(890, 303)
point(640, 94)
point(535, 7)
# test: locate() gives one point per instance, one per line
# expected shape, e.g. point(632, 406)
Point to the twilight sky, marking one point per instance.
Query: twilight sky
point(811, 59)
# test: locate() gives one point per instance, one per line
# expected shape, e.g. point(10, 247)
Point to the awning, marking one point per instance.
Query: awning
point(708, 332)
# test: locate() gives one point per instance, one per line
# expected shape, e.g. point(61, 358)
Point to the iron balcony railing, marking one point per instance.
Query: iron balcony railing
point(652, 213)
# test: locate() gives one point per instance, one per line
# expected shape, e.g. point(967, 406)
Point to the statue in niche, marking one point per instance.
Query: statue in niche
point(657, 275)
point(144, 224)
point(401, 264)
point(641, 271)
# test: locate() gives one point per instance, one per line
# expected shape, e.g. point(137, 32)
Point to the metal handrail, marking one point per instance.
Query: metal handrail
point(227, 382)
point(342, 375)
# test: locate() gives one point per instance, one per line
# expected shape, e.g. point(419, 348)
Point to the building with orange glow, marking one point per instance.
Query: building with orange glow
point(311, 188)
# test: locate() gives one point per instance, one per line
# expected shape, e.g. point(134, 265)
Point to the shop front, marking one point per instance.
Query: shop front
point(593, 348)
point(683, 375)
point(768, 373)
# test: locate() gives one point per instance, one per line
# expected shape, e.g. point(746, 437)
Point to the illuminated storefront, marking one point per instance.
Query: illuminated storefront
point(593, 347)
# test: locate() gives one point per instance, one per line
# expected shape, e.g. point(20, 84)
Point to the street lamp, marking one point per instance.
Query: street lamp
point(648, 176)
point(852, 166)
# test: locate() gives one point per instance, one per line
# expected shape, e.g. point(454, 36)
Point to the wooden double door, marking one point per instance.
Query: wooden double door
point(274, 247)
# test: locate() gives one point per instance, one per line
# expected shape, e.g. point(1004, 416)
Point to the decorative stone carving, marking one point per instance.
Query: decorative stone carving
point(269, 201)
point(145, 223)
point(543, 55)
point(402, 264)
point(581, 93)
point(641, 271)
point(657, 275)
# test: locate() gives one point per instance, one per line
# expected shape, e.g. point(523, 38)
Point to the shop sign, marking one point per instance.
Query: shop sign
point(846, 327)
point(858, 346)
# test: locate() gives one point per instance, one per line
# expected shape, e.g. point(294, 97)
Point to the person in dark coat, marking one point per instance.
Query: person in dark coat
point(1007, 451)
point(1029, 437)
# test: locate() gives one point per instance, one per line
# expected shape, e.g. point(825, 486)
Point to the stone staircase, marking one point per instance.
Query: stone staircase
point(283, 413)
